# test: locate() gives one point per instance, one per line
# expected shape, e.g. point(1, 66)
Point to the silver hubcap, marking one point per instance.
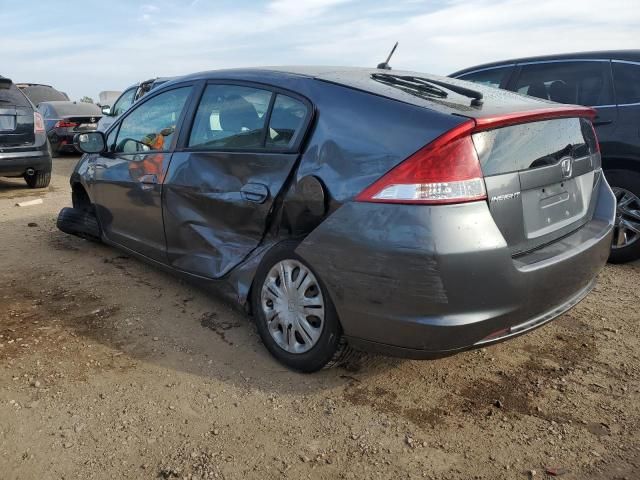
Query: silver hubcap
point(627, 228)
point(292, 303)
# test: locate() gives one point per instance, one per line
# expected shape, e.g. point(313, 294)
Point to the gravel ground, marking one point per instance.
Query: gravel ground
point(111, 369)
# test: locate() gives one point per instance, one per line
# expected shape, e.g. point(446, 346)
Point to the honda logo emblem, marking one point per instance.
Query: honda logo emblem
point(566, 164)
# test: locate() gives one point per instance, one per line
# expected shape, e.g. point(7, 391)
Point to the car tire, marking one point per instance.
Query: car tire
point(328, 348)
point(80, 223)
point(626, 187)
point(38, 180)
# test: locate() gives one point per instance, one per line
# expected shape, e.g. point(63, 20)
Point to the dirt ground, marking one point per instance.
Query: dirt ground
point(112, 369)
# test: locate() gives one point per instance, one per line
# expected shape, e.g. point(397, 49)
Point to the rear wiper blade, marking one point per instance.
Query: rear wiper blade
point(413, 85)
point(475, 95)
point(416, 85)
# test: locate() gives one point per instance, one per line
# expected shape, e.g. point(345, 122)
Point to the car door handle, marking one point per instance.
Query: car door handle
point(149, 178)
point(255, 192)
point(148, 181)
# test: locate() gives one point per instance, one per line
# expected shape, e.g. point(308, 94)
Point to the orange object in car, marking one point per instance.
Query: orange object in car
point(153, 163)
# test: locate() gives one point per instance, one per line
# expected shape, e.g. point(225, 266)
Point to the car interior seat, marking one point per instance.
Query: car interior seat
point(538, 89)
point(238, 115)
point(560, 92)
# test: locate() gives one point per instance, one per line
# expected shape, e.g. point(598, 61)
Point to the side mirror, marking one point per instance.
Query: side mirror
point(90, 142)
point(106, 110)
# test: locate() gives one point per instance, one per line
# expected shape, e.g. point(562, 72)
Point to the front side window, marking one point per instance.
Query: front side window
point(492, 77)
point(626, 77)
point(230, 117)
point(580, 83)
point(124, 102)
point(152, 126)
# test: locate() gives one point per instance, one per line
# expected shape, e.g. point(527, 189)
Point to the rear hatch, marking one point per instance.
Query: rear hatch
point(540, 177)
point(539, 161)
point(16, 116)
point(74, 117)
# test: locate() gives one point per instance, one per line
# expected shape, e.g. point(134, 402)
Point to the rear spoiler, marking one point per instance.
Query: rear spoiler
point(526, 116)
point(5, 83)
point(481, 124)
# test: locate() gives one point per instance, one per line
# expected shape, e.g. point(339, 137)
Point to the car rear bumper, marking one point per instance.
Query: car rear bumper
point(62, 141)
point(422, 281)
point(17, 163)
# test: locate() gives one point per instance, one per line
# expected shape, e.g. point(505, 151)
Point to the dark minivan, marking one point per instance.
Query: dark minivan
point(607, 81)
point(24, 150)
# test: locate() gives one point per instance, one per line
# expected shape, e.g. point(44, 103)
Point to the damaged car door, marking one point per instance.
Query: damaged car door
point(127, 187)
point(221, 186)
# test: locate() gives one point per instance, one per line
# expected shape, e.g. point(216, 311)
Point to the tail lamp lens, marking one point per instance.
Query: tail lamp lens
point(38, 123)
point(65, 124)
point(445, 171)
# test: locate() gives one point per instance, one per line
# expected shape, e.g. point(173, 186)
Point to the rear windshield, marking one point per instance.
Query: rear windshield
point(79, 108)
point(533, 145)
point(39, 93)
point(12, 96)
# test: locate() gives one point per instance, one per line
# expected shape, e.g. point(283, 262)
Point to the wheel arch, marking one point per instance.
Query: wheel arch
point(80, 197)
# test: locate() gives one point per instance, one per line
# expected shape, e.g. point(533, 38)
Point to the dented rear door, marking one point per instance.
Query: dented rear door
point(221, 188)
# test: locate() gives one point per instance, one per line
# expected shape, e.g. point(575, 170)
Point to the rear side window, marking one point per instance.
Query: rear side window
point(286, 122)
point(627, 82)
point(230, 117)
point(11, 95)
point(492, 77)
point(580, 83)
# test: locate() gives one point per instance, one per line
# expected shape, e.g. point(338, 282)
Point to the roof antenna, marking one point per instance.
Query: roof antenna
point(385, 65)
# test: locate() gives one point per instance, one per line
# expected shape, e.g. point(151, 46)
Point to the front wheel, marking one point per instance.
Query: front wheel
point(295, 316)
point(625, 245)
point(80, 223)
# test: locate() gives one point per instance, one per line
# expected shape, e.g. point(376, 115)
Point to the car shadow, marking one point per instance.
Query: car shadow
point(12, 188)
point(140, 312)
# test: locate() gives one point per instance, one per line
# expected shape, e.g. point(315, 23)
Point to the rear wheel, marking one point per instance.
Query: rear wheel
point(38, 180)
point(295, 316)
point(625, 245)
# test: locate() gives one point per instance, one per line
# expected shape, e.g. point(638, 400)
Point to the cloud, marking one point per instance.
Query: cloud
point(296, 8)
point(95, 47)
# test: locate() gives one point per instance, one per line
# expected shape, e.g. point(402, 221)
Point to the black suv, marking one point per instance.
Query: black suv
point(24, 150)
point(610, 83)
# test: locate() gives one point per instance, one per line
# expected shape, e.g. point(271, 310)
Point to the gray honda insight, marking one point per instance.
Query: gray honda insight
point(350, 208)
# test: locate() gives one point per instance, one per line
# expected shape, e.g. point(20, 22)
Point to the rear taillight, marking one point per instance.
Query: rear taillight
point(63, 124)
point(38, 123)
point(445, 171)
point(595, 136)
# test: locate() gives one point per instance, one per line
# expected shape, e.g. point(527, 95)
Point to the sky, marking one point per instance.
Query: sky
point(84, 47)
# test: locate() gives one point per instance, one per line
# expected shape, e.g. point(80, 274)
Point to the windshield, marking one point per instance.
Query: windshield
point(12, 96)
point(67, 109)
point(40, 93)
